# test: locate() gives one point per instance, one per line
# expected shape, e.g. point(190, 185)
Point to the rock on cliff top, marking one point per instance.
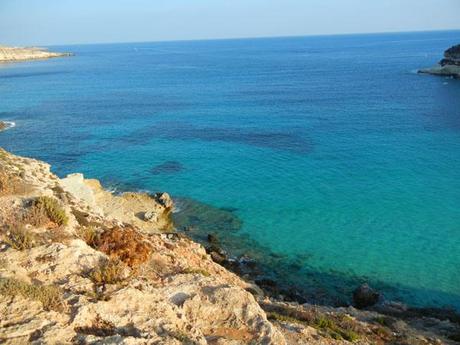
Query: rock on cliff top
point(449, 66)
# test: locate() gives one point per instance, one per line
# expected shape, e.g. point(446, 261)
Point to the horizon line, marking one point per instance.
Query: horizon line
point(249, 37)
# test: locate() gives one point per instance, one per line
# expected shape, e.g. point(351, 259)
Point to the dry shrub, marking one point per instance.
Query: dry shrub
point(53, 210)
point(50, 296)
point(88, 234)
point(19, 238)
point(124, 244)
point(11, 183)
point(99, 328)
point(108, 272)
point(36, 215)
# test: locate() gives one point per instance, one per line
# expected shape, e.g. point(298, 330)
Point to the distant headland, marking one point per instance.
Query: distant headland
point(16, 54)
point(449, 66)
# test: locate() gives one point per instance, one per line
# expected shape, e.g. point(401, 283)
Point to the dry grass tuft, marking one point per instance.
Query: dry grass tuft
point(99, 328)
point(50, 296)
point(52, 208)
point(36, 215)
point(125, 244)
point(89, 234)
point(108, 272)
point(11, 183)
point(19, 238)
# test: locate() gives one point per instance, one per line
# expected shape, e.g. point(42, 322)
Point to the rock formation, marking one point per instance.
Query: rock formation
point(449, 65)
point(79, 265)
point(15, 54)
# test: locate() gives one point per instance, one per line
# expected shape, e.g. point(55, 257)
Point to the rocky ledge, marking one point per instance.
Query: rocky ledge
point(79, 265)
point(449, 66)
point(15, 54)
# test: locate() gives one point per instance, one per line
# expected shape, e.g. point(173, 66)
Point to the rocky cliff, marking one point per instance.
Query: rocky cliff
point(449, 65)
point(79, 265)
point(14, 54)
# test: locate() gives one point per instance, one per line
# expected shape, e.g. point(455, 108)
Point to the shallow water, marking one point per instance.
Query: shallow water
point(331, 152)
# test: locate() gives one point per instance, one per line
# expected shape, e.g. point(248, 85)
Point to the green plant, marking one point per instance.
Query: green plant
point(196, 271)
point(50, 296)
point(285, 318)
point(108, 272)
point(54, 211)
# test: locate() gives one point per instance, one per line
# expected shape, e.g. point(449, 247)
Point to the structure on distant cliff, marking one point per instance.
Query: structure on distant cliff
point(12, 54)
point(449, 65)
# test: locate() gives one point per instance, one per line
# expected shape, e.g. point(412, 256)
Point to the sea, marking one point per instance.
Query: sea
point(326, 159)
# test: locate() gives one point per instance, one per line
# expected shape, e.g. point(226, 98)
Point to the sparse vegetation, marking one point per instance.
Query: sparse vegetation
point(52, 208)
point(203, 272)
point(50, 296)
point(11, 183)
point(108, 272)
point(19, 238)
point(88, 234)
point(36, 215)
point(124, 244)
point(334, 326)
point(99, 328)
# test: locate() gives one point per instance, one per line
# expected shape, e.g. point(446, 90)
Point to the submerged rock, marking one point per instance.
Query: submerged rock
point(168, 167)
point(364, 296)
point(449, 66)
point(2, 125)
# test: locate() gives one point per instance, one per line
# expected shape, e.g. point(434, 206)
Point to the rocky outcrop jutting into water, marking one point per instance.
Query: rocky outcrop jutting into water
point(15, 54)
point(448, 66)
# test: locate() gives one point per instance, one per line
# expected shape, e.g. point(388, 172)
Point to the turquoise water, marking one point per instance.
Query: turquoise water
point(333, 155)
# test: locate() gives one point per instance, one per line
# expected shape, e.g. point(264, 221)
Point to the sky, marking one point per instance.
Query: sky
point(59, 22)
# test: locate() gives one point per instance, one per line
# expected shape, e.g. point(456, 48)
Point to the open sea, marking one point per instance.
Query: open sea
point(328, 159)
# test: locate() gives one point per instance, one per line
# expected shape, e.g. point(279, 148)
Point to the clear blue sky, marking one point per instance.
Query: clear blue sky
point(48, 22)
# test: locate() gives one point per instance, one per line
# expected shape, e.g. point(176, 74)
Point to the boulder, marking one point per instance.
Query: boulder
point(164, 199)
point(364, 296)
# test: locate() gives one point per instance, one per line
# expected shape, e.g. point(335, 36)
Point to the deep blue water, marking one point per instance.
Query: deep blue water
point(331, 152)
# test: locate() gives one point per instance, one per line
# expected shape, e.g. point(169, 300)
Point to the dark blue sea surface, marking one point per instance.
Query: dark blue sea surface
point(335, 162)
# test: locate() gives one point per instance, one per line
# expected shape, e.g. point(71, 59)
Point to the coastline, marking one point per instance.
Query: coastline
point(176, 275)
point(19, 54)
point(449, 66)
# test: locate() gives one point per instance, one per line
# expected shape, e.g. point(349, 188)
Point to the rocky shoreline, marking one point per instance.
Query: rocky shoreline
point(17, 54)
point(449, 66)
point(81, 265)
